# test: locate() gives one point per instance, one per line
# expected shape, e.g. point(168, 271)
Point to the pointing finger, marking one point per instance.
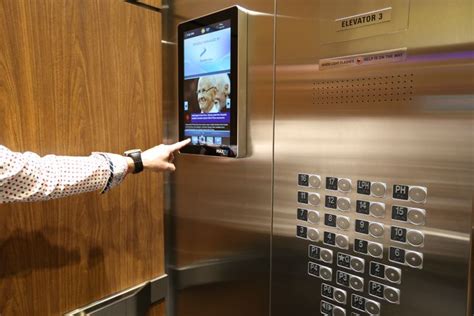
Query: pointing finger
point(179, 145)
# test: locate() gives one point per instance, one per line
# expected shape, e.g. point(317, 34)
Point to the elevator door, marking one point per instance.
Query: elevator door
point(373, 158)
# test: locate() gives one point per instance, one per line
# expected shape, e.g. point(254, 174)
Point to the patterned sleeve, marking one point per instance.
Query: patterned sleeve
point(26, 177)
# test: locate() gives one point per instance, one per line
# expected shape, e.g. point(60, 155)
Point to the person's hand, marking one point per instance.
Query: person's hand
point(160, 158)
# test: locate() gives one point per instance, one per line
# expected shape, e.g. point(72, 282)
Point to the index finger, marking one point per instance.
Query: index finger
point(179, 145)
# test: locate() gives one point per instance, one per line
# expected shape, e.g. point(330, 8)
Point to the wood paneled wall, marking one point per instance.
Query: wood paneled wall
point(78, 76)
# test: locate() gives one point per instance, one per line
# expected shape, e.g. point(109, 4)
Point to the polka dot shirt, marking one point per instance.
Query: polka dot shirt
point(26, 177)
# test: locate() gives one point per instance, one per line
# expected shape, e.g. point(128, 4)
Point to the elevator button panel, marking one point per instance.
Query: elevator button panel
point(390, 218)
point(334, 293)
point(363, 304)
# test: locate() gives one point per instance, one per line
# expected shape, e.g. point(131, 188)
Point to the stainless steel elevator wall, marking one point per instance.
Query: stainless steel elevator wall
point(407, 122)
point(219, 219)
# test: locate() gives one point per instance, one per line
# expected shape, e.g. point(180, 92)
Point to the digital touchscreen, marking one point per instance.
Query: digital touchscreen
point(207, 90)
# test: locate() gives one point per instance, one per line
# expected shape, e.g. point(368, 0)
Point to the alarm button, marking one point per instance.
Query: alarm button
point(372, 307)
point(417, 194)
point(378, 189)
point(393, 274)
point(376, 229)
point(414, 259)
point(344, 204)
point(314, 199)
point(375, 250)
point(416, 216)
point(313, 217)
point(342, 241)
point(313, 234)
point(344, 185)
point(315, 181)
point(415, 238)
point(377, 209)
point(343, 222)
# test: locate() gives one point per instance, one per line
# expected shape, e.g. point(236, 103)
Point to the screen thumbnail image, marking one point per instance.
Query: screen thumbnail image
point(207, 94)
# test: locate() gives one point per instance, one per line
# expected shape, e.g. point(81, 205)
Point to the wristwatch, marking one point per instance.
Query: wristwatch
point(136, 155)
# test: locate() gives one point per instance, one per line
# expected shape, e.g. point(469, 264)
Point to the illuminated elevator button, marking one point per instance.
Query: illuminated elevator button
point(414, 259)
point(344, 185)
point(343, 222)
point(378, 189)
point(375, 250)
point(372, 307)
point(415, 237)
point(344, 204)
point(416, 216)
point(340, 296)
point(338, 311)
point(303, 179)
point(357, 264)
point(326, 255)
point(313, 217)
point(315, 181)
point(393, 274)
point(417, 194)
point(376, 229)
point(356, 283)
point(377, 209)
point(313, 234)
point(314, 199)
point(325, 273)
point(392, 294)
point(342, 241)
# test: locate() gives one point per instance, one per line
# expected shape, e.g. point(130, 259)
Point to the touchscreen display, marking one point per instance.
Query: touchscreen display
point(207, 86)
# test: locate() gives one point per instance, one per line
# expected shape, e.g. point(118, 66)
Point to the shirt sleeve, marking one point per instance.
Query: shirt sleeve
point(27, 177)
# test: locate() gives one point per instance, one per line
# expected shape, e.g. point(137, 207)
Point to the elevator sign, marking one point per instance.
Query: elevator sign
point(363, 19)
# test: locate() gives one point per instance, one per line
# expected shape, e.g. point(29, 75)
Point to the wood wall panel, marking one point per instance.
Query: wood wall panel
point(76, 77)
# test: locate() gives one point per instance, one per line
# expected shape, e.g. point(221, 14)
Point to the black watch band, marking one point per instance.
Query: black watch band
point(136, 155)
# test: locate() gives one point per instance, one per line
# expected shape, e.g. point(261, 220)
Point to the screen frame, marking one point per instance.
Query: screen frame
point(231, 14)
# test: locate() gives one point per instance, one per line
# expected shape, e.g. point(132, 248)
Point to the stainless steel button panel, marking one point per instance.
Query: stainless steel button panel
point(313, 234)
point(377, 209)
point(343, 204)
point(365, 305)
point(344, 185)
point(343, 222)
point(331, 309)
point(333, 293)
point(378, 189)
point(376, 230)
point(350, 262)
point(314, 181)
point(383, 291)
point(385, 272)
point(320, 254)
point(342, 241)
point(313, 216)
point(375, 249)
point(319, 271)
point(416, 216)
point(314, 199)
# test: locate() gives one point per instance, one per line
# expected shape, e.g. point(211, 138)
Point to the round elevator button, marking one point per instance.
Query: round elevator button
point(393, 274)
point(315, 181)
point(340, 296)
point(314, 199)
point(326, 255)
point(357, 264)
point(342, 241)
point(377, 209)
point(343, 222)
point(414, 259)
point(375, 250)
point(344, 185)
point(416, 216)
point(376, 229)
point(313, 217)
point(344, 204)
point(313, 234)
point(391, 294)
point(356, 283)
point(337, 311)
point(325, 273)
point(378, 189)
point(415, 237)
point(417, 194)
point(372, 307)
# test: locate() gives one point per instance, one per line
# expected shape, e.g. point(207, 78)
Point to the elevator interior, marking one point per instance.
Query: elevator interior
point(355, 195)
